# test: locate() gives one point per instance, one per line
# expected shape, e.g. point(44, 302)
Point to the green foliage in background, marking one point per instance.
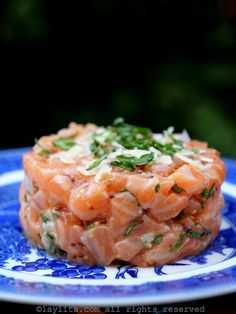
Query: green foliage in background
point(184, 90)
point(26, 19)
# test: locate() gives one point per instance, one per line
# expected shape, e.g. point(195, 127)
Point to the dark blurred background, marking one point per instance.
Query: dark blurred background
point(155, 62)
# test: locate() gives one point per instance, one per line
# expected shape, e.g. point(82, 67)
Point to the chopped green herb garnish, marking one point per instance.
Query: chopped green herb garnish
point(44, 218)
point(124, 190)
point(177, 189)
point(96, 163)
point(55, 215)
point(97, 148)
point(195, 150)
point(92, 225)
point(130, 227)
point(193, 234)
point(205, 193)
point(94, 148)
point(62, 253)
point(203, 205)
point(209, 193)
point(131, 137)
point(51, 241)
point(45, 151)
point(157, 187)
point(190, 234)
point(124, 165)
point(178, 243)
point(130, 163)
point(212, 190)
point(143, 160)
point(64, 143)
point(181, 215)
point(158, 239)
point(110, 138)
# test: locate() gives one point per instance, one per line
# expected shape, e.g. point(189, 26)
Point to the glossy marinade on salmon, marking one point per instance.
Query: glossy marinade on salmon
point(98, 195)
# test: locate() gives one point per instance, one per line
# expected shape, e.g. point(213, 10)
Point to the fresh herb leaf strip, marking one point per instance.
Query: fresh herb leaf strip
point(62, 253)
point(130, 227)
point(125, 165)
point(203, 205)
point(51, 241)
point(158, 239)
point(177, 189)
point(178, 243)
point(45, 151)
point(190, 234)
point(181, 215)
point(157, 187)
point(193, 234)
point(55, 215)
point(91, 225)
point(124, 190)
point(207, 193)
point(98, 148)
point(64, 143)
point(44, 218)
point(212, 190)
point(96, 163)
point(130, 163)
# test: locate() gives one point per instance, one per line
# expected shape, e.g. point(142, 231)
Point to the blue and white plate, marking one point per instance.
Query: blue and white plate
point(29, 275)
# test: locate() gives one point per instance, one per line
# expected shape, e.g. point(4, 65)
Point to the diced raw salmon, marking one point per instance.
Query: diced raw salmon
point(100, 243)
point(91, 201)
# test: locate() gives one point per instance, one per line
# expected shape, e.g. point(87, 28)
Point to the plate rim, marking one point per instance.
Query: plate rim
point(174, 297)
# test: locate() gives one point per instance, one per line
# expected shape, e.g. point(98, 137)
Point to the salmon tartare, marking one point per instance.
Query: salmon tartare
point(100, 195)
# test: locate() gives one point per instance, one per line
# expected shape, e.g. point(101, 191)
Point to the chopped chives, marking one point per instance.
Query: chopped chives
point(44, 218)
point(51, 241)
point(178, 243)
point(91, 225)
point(96, 163)
point(64, 143)
point(190, 234)
point(130, 227)
point(158, 239)
point(203, 205)
point(177, 189)
point(44, 151)
point(157, 187)
point(181, 215)
point(207, 193)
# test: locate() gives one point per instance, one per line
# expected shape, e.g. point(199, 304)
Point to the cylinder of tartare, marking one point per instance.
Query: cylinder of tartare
point(101, 195)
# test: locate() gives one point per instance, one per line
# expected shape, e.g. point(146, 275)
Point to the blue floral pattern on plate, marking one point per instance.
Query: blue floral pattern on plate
point(25, 270)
